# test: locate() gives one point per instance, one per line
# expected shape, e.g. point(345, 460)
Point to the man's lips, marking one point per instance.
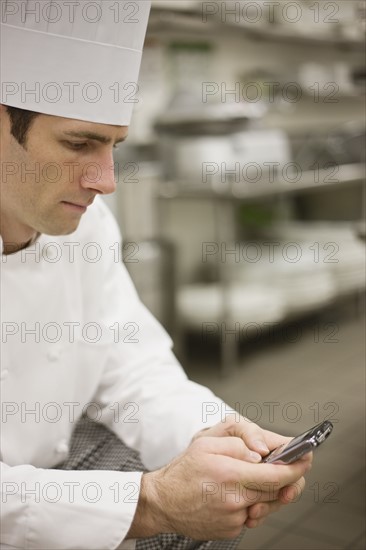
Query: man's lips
point(79, 204)
point(77, 207)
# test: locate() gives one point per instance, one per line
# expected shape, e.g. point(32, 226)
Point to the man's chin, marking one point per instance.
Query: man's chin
point(62, 231)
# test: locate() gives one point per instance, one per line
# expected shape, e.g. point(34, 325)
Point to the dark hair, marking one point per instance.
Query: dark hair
point(21, 121)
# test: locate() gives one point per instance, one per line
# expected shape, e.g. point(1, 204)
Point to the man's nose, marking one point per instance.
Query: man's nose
point(99, 175)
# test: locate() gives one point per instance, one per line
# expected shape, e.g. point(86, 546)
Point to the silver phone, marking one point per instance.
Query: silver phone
point(300, 445)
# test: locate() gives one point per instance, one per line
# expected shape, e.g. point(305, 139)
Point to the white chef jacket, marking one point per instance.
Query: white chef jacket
point(76, 338)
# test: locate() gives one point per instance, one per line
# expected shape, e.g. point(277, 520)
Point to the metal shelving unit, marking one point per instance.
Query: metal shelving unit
point(187, 21)
point(309, 181)
point(224, 204)
point(190, 21)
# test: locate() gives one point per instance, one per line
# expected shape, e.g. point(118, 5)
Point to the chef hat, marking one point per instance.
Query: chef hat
point(75, 59)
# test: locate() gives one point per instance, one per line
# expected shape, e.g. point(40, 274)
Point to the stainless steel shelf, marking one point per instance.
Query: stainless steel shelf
point(169, 20)
point(309, 181)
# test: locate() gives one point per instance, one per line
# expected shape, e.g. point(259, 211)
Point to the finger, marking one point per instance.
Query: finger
point(255, 438)
point(292, 492)
point(255, 496)
point(250, 433)
point(308, 458)
point(269, 477)
point(264, 509)
point(228, 446)
point(274, 440)
point(253, 523)
point(265, 477)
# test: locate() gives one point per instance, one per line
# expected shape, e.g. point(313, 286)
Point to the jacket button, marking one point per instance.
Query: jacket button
point(4, 374)
point(62, 447)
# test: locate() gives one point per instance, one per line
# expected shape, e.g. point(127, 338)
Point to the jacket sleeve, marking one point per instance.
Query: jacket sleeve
point(145, 395)
point(52, 509)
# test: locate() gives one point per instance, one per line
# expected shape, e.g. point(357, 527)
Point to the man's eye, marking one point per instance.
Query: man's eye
point(76, 146)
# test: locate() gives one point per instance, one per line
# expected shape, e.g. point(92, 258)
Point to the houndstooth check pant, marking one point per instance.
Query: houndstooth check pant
point(94, 447)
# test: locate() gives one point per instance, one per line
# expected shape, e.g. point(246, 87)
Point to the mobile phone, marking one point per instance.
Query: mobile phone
point(300, 445)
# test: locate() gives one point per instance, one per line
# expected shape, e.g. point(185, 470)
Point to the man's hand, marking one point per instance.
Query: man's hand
point(206, 492)
point(259, 512)
point(258, 443)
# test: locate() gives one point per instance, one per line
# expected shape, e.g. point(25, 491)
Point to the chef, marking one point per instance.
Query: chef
point(105, 443)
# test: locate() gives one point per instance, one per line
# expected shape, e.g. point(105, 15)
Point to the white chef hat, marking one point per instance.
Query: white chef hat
point(76, 59)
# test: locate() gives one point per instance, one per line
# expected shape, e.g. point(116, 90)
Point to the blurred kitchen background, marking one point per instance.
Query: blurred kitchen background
point(241, 198)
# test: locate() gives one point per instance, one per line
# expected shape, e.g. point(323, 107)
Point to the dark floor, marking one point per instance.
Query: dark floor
point(321, 375)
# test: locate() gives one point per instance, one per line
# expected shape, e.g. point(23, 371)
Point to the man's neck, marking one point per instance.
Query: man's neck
point(15, 235)
point(13, 247)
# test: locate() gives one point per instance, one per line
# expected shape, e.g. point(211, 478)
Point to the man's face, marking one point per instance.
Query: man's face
point(48, 184)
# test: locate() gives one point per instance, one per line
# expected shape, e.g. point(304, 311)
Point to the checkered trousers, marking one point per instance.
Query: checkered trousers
point(94, 447)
